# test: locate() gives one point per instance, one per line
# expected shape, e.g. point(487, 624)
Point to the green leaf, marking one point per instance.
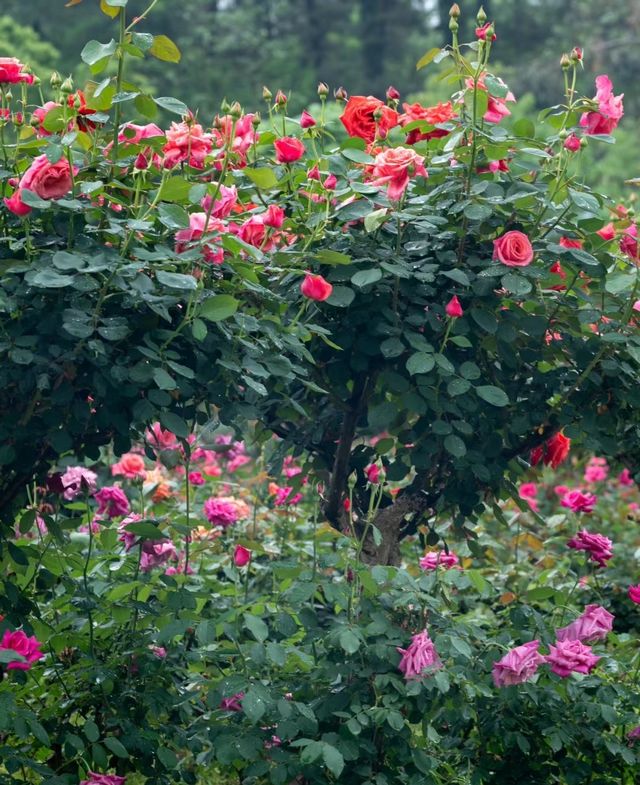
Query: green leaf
point(218, 307)
point(420, 362)
point(455, 446)
point(375, 220)
point(172, 105)
point(349, 641)
point(584, 201)
point(427, 58)
point(516, 284)
point(175, 189)
point(257, 627)
point(459, 276)
point(253, 705)
point(176, 280)
point(173, 216)
point(358, 156)
point(265, 178)
point(118, 749)
point(496, 87)
point(50, 279)
point(167, 757)
point(172, 422)
point(164, 49)
point(163, 379)
point(366, 277)
point(94, 51)
point(478, 581)
point(493, 395)
point(333, 759)
point(478, 212)
point(312, 752)
point(146, 106)
point(146, 530)
point(327, 256)
point(341, 297)
point(91, 730)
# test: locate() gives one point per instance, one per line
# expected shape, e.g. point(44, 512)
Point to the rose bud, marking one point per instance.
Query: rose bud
point(392, 93)
point(306, 120)
point(241, 556)
point(323, 89)
point(453, 308)
point(315, 287)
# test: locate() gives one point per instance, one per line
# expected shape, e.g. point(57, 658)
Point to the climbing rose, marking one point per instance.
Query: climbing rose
point(103, 779)
point(46, 180)
point(315, 287)
point(29, 648)
point(419, 658)
point(577, 501)
point(434, 559)
point(610, 109)
point(358, 117)
point(571, 656)
point(634, 594)
point(394, 166)
point(453, 308)
point(288, 149)
point(593, 625)
point(513, 249)
point(11, 71)
point(517, 665)
point(597, 545)
point(241, 556)
point(112, 501)
point(553, 452)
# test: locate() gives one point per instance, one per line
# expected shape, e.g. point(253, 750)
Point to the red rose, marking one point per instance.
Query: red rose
point(359, 117)
point(315, 287)
point(553, 452)
point(288, 149)
point(513, 249)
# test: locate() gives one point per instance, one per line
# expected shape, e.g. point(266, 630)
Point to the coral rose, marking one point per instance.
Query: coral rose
point(394, 166)
point(359, 117)
point(315, 287)
point(434, 115)
point(513, 249)
point(46, 180)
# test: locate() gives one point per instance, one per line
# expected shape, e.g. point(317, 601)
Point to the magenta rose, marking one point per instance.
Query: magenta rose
point(513, 249)
point(568, 657)
point(18, 642)
point(517, 665)
point(288, 149)
point(593, 625)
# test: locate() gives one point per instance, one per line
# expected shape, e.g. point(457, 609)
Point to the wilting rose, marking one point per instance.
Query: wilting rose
point(315, 287)
point(288, 149)
point(420, 658)
point(593, 625)
point(359, 117)
point(513, 249)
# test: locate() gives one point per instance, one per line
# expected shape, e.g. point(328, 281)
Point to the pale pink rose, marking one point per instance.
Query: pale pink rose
point(434, 559)
point(161, 439)
point(394, 166)
point(571, 656)
point(420, 658)
point(593, 625)
point(239, 135)
point(518, 665)
point(77, 480)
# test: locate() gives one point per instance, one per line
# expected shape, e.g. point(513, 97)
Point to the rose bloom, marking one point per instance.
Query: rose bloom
point(131, 466)
point(224, 204)
point(241, 556)
point(306, 120)
point(186, 142)
point(496, 107)
point(553, 452)
point(597, 546)
point(155, 553)
point(634, 594)
point(196, 478)
point(103, 779)
point(481, 32)
point(358, 117)
point(571, 656)
point(11, 71)
point(572, 143)
point(608, 232)
point(288, 149)
point(315, 287)
point(29, 648)
point(420, 658)
point(189, 235)
point(434, 115)
point(232, 703)
point(610, 109)
point(517, 665)
point(577, 501)
point(77, 480)
point(394, 166)
point(224, 510)
point(46, 180)
point(629, 242)
point(513, 249)
point(112, 501)
point(434, 559)
point(40, 114)
point(372, 472)
point(596, 470)
point(593, 625)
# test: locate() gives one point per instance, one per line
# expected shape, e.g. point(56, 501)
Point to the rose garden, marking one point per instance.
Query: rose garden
point(320, 432)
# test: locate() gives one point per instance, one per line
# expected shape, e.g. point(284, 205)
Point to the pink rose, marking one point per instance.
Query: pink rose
point(577, 501)
point(610, 109)
point(593, 625)
point(394, 166)
point(103, 779)
point(112, 501)
point(518, 665)
point(40, 114)
point(513, 249)
point(597, 546)
point(572, 143)
point(185, 238)
point(46, 180)
point(453, 309)
point(18, 642)
point(571, 656)
point(11, 71)
point(634, 594)
point(315, 287)
point(241, 556)
point(420, 658)
point(373, 473)
point(131, 465)
point(608, 232)
point(306, 120)
point(434, 559)
point(186, 142)
point(288, 149)
point(224, 203)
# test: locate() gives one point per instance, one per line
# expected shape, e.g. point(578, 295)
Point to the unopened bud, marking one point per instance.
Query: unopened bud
point(141, 162)
point(77, 102)
point(267, 95)
point(392, 93)
point(481, 16)
point(352, 479)
point(563, 133)
point(576, 54)
point(583, 141)
point(281, 98)
point(454, 10)
point(36, 81)
point(565, 62)
point(55, 80)
point(340, 94)
point(453, 24)
point(256, 119)
point(218, 123)
point(378, 114)
point(323, 89)
point(18, 119)
point(67, 86)
point(9, 96)
point(235, 110)
point(225, 106)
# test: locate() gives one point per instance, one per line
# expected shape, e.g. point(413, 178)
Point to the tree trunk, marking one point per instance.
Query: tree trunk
point(390, 522)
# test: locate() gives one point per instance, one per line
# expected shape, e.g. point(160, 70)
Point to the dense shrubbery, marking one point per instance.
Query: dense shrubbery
point(400, 324)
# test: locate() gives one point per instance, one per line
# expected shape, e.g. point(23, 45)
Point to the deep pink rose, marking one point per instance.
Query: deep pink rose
point(593, 625)
point(608, 232)
point(186, 143)
point(112, 501)
point(571, 656)
point(453, 308)
point(572, 143)
point(315, 287)
point(306, 120)
point(40, 114)
point(103, 779)
point(20, 643)
point(513, 249)
point(241, 556)
point(517, 665)
point(434, 559)
point(11, 71)
point(288, 149)
point(578, 501)
point(597, 546)
point(420, 658)
point(634, 594)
